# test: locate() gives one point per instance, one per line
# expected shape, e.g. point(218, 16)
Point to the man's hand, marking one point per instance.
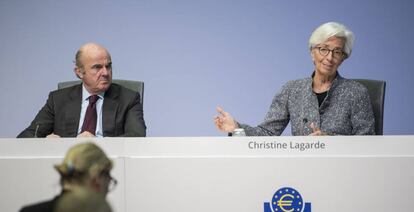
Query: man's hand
point(224, 121)
point(52, 136)
point(85, 134)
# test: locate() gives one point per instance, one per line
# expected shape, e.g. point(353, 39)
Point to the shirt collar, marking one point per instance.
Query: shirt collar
point(86, 94)
point(335, 82)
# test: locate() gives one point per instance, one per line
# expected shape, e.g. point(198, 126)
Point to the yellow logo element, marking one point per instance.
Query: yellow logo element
point(288, 203)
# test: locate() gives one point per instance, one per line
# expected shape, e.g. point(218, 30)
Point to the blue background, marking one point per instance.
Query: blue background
point(195, 55)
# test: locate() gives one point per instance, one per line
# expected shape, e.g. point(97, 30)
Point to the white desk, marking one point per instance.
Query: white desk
point(371, 173)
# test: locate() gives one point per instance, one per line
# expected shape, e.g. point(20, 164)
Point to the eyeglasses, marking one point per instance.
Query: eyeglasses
point(336, 53)
point(112, 181)
point(112, 184)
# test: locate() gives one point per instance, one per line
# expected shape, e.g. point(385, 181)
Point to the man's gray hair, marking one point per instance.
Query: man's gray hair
point(331, 29)
point(77, 59)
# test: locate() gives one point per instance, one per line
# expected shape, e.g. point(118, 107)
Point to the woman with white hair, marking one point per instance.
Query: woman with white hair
point(85, 167)
point(323, 104)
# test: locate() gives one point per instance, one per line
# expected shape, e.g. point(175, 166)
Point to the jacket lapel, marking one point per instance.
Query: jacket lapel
point(109, 111)
point(311, 106)
point(72, 112)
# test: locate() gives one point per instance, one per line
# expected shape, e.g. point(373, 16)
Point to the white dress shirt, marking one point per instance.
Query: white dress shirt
point(84, 106)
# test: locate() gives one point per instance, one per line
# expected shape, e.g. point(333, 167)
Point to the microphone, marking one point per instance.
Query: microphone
point(305, 126)
point(37, 128)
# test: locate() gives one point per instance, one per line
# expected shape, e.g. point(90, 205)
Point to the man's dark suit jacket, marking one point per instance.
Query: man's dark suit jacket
point(46, 206)
point(122, 114)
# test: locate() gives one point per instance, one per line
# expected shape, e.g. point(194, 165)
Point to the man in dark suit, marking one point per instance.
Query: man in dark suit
point(118, 110)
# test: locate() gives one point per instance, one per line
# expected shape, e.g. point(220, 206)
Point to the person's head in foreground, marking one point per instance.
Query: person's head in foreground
point(86, 165)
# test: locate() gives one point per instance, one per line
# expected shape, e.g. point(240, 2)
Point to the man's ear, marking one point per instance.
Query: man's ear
point(78, 72)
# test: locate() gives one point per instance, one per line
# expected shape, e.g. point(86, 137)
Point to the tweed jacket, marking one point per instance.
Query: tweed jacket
point(346, 110)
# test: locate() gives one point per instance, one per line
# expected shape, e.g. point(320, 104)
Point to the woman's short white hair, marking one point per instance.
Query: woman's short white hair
point(330, 29)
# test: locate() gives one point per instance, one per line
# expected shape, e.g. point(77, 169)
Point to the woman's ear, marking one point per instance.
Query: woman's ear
point(95, 183)
point(313, 56)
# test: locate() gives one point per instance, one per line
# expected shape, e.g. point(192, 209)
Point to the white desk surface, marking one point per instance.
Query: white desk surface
point(351, 173)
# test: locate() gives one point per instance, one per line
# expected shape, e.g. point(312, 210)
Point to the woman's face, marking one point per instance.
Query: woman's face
point(328, 56)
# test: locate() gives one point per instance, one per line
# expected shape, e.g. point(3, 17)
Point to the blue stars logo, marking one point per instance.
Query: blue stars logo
point(287, 200)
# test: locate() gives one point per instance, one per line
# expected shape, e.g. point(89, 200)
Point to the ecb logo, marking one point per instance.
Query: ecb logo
point(287, 200)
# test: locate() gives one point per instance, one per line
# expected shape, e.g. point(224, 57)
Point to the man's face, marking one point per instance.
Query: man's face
point(96, 72)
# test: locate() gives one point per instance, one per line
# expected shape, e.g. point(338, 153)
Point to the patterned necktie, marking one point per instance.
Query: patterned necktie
point(89, 123)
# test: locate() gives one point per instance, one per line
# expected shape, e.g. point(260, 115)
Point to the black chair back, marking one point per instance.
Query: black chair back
point(376, 90)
